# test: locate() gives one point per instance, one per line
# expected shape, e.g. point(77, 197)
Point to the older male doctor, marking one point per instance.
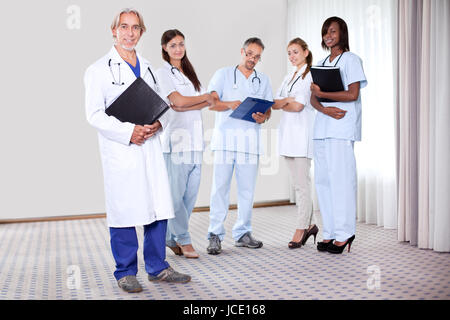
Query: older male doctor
point(137, 189)
point(236, 145)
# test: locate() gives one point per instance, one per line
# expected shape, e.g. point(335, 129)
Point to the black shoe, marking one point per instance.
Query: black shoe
point(323, 246)
point(294, 245)
point(214, 244)
point(248, 241)
point(311, 232)
point(338, 249)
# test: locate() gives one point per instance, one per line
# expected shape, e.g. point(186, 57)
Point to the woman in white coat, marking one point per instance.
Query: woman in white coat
point(295, 136)
point(182, 137)
point(137, 189)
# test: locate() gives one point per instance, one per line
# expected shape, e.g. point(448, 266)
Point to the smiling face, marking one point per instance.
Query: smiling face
point(332, 37)
point(296, 54)
point(175, 48)
point(251, 55)
point(128, 32)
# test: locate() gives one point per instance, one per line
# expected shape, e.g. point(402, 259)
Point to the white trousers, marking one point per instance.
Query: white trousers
point(335, 180)
point(246, 166)
point(300, 177)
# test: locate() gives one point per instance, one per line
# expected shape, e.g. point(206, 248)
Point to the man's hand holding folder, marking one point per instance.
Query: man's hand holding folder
point(261, 117)
point(250, 110)
point(142, 133)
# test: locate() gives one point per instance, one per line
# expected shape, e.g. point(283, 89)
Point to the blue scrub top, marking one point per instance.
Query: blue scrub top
point(137, 69)
point(232, 134)
point(348, 127)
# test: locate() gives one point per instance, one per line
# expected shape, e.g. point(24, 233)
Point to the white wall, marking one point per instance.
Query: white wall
point(49, 163)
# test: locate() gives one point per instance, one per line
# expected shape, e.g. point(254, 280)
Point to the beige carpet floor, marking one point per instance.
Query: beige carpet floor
point(72, 260)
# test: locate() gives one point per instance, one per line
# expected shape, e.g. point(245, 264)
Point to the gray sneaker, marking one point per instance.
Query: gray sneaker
point(170, 275)
point(129, 284)
point(214, 244)
point(248, 241)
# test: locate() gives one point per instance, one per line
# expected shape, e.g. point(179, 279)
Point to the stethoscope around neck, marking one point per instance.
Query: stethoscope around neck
point(120, 83)
point(340, 56)
point(255, 77)
point(182, 81)
point(293, 83)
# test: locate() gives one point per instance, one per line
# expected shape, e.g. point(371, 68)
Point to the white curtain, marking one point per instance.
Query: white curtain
point(372, 28)
point(423, 122)
point(439, 207)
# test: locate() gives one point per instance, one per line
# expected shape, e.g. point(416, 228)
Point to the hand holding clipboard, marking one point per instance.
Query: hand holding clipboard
point(252, 106)
point(327, 79)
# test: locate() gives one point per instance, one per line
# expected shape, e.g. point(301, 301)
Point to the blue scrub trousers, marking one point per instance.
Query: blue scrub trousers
point(246, 166)
point(124, 246)
point(184, 170)
point(336, 187)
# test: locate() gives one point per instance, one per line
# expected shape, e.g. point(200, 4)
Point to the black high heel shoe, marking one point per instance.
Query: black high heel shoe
point(339, 249)
point(294, 245)
point(313, 231)
point(323, 246)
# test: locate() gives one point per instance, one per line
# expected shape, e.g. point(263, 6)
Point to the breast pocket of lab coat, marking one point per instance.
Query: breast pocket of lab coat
point(112, 92)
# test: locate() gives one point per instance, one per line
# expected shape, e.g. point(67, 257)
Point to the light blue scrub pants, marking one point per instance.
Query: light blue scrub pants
point(246, 166)
point(336, 186)
point(184, 170)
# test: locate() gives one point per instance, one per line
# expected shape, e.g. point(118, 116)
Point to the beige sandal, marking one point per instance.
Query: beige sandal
point(176, 250)
point(188, 254)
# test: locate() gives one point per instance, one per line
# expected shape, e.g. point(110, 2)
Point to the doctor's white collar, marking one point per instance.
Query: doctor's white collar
point(294, 68)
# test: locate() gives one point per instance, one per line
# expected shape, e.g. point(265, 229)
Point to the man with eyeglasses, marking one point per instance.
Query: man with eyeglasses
point(137, 190)
point(236, 145)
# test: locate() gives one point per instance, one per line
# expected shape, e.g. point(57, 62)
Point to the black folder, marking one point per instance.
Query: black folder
point(249, 106)
point(138, 104)
point(328, 79)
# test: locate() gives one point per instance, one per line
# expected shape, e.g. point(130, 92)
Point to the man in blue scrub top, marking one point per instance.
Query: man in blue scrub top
point(236, 145)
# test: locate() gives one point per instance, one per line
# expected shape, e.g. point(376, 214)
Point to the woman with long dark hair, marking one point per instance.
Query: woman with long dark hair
point(182, 137)
point(295, 135)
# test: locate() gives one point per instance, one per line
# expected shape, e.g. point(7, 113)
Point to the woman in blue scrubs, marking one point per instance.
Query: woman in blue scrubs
point(336, 128)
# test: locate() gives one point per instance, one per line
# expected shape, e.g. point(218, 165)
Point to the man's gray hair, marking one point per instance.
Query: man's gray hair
point(116, 20)
point(253, 40)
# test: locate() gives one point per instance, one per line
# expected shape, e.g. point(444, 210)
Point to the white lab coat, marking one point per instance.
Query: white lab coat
point(296, 128)
point(183, 131)
point(137, 188)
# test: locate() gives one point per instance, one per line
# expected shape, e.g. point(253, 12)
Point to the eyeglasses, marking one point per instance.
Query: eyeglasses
point(250, 55)
point(125, 27)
